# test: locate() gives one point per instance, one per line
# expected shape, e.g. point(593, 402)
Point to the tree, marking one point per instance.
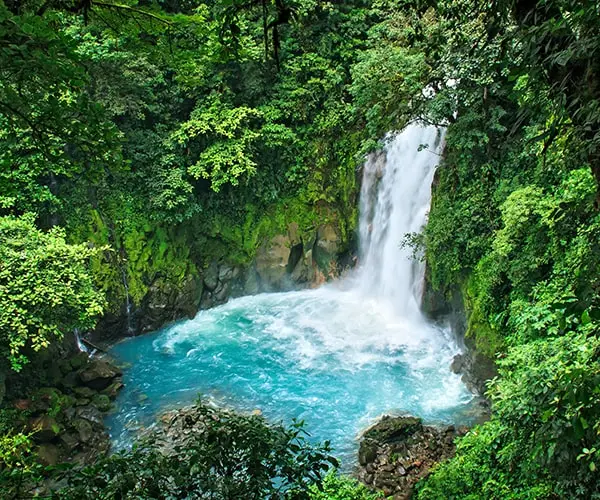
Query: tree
point(46, 290)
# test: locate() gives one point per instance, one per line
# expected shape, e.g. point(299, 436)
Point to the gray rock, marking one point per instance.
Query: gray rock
point(102, 402)
point(90, 413)
point(98, 374)
point(228, 273)
point(327, 247)
point(48, 454)
point(367, 452)
point(272, 260)
point(251, 285)
point(84, 429)
point(69, 440)
point(211, 276)
point(221, 293)
point(113, 389)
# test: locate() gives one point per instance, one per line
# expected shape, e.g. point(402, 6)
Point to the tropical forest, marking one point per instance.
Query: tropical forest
point(300, 249)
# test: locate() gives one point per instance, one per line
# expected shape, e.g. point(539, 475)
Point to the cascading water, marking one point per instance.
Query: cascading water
point(395, 197)
point(338, 356)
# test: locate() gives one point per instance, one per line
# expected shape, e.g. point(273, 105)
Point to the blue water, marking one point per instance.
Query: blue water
point(330, 356)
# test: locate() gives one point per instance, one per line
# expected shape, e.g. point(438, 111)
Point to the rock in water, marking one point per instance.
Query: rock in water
point(397, 452)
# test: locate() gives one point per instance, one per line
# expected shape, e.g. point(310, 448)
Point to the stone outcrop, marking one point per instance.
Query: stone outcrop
point(397, 452)
point(166, 302)
point(98, 374)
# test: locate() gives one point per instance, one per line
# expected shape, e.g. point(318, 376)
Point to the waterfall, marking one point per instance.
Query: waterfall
point(80, 345)
point(395, 199)
point(130, 329)
point(337, 356)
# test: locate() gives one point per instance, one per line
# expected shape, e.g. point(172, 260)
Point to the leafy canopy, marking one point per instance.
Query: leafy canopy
point(46, 289)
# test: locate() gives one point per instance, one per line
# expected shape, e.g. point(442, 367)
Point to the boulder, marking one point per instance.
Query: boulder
point(390, 429)
point(113, 389)
point(304, 272)
point(367, 452)
point(211, 276)
point(45, 428)
point(48, 454)
point(98, 374)
point(84, 429)
point(69, 440)
point(102, 402)
point(90, 413)
point(458, 363)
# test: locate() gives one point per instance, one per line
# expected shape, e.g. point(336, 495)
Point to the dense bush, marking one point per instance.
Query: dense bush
point(45, 288)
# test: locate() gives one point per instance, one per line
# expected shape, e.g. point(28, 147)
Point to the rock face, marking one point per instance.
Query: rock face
point(397, 452)
point(289, 260)
point(166, 302)
point(475, 368)
point(327, 247)
point(272, 259)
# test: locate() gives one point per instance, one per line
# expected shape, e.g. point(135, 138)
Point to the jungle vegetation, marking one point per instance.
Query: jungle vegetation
point(135, 135)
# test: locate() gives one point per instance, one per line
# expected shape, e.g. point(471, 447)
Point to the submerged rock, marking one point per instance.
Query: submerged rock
point(113, 389)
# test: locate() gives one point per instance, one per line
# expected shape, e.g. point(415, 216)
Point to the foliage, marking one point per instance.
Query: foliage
point(338, 487)
point(230, 456)
point(181, 132)
point(51, 130)
point(45, 288)
point(513, 223)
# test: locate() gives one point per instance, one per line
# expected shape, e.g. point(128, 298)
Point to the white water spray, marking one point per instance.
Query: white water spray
point(394, 202)
point(81, 347)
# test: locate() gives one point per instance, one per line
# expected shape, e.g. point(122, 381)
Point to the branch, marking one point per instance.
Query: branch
point(133, 10)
